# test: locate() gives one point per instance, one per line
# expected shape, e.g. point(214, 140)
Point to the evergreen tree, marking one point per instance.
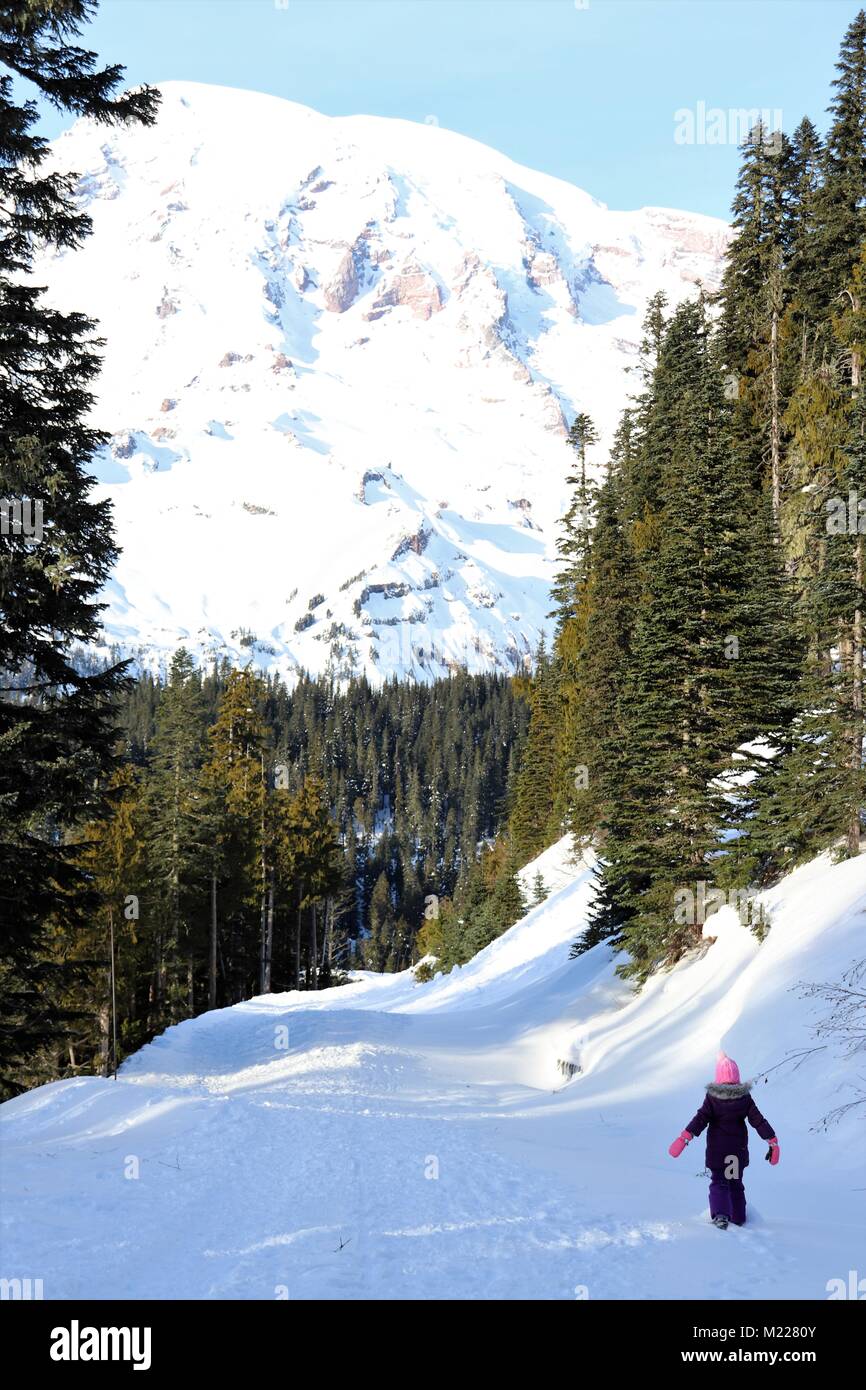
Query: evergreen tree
point(755, 295)
point(503, 904)
point(702, 676)
point(106, 998)
point(382, 918)
point(815, 790)
point(839, 220)
point(308, 856)
point(234, 789)
point(805, 271)
point(605, 651)
point(534, 817)
point(56, 736)
point(179, 837)
point(572, 613)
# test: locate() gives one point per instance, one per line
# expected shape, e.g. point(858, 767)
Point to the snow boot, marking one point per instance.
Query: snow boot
point(721, 1222)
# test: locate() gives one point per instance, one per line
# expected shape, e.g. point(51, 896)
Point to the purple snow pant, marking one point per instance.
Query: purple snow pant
point(727, 1197)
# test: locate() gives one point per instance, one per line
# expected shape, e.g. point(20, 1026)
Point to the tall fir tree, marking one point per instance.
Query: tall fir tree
point(535, 813)
point(839, 213)
point(709, 664)
point(755, 294)
point(56, 738)
point(605, 650)
point(571, 593)
point(179, 836)
point(112, 1011)
point(233, 784)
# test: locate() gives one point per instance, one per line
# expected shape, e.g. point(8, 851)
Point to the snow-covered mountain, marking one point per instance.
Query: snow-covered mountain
point(340, 358)
point(392, 1139)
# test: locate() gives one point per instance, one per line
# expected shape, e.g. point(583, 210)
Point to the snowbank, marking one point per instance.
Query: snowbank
point(395, 1139)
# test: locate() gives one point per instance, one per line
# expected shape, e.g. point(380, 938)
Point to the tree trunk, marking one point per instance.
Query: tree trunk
point(853, 838)
point(857, 699)
point(328, 937)
point(269, 937)
point(212, 974)
point(298, 937)
point(263, 932)
point(314, 963)
point(263, 888)
point(222, 966)
point(159, 990)
point(105, 1036)
point(113, 995)
point(775, 426)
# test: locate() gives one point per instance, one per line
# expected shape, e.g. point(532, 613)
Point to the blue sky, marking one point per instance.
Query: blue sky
point(586, 92)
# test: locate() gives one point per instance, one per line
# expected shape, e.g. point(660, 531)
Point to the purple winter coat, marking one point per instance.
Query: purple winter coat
point(725, 1110)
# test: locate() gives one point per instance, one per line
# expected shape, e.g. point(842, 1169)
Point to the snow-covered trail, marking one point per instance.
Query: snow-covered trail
point(394, 1140)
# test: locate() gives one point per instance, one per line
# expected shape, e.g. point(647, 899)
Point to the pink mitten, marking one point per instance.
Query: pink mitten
point(679, 1144)
point(773, 1152)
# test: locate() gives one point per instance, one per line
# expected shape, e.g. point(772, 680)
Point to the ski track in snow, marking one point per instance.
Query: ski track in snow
point(305, 1173)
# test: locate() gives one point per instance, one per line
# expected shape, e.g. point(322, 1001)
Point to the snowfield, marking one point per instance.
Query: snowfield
point(396, 1140)
point(340, 358)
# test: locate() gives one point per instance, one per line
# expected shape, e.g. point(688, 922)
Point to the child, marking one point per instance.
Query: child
point(727, 1105)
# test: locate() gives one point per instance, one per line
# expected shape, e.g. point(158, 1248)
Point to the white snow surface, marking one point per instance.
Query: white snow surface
point(391, 1139)
point(340, 355)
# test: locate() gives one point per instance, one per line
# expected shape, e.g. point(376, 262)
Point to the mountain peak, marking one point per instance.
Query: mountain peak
point(342, 355)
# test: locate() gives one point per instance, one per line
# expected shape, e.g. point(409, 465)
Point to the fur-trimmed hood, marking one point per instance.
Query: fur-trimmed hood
point(728, 1090)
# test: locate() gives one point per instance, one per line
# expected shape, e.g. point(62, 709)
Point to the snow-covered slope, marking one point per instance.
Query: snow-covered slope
point(397, 1140)
point(339, 357)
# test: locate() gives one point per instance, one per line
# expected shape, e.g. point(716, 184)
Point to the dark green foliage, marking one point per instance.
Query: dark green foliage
point(605, 651)
point(55, 722)
point(487, 901)
point(534, 819)
point(840, 200)
point(179, 835)
point(504, 905)
point(274, 838)
point(740, 521)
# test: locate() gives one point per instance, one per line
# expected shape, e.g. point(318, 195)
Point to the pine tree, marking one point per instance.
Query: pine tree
point(234, 789)
point(106, 995)
point(381, 923)
point(534, 818)
point(308, 854)
point(839, 221)
point(755, 295)
point(540, 891)
point(805, 271)
point(179, 839)
point(56, 736)
point(575, 541)
point(573, 613)
point(827, 755)
point(702, 675)
point(504, 902)
point(605, 650)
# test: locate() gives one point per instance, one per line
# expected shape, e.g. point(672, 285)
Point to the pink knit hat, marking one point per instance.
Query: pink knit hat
point(727, 1070)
